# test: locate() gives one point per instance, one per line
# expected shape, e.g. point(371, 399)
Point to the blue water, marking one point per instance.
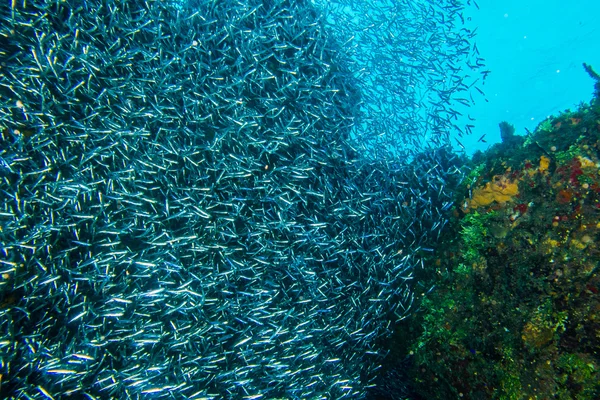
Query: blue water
point(534, 49)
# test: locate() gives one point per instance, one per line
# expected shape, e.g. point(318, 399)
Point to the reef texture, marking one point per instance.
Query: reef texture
point(516, 309)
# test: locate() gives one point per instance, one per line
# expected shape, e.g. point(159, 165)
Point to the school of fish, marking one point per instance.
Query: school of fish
point(218, 199)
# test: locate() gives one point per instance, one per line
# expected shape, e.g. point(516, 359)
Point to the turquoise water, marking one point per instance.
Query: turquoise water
point(534, 50)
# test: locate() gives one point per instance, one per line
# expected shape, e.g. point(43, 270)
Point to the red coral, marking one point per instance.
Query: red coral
point(521, 208)
point(575, 172)
point(564, 196)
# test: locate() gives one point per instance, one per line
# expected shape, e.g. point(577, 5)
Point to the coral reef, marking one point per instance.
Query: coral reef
point(515, 313)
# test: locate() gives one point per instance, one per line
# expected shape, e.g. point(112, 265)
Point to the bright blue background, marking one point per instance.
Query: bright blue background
point(525, 44)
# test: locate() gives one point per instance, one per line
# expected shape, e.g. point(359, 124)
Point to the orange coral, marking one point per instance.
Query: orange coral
point(501, 189)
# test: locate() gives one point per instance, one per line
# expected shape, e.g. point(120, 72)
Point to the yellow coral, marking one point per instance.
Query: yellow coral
point(500, 189)
point(549, 245)
point(531, 171)
point(586, 162)
point(544, 163)
point(577, 245)
point(535, 334)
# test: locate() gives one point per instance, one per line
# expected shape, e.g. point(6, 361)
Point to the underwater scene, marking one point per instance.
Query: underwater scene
point(299, 199)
